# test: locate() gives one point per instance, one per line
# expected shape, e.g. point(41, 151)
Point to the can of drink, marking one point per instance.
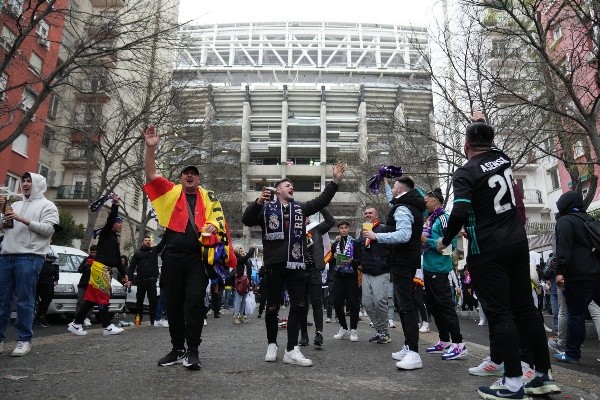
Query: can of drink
point(124, 323)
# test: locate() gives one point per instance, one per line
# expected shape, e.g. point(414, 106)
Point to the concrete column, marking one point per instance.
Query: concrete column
point(323, 143)
point(244, 161)
point(362, 141)
point(284, 136)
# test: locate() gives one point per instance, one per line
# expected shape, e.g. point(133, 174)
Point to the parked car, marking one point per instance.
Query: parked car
point(65, 293)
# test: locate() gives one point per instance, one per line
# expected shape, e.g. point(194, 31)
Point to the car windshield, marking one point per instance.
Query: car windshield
point(69, 262)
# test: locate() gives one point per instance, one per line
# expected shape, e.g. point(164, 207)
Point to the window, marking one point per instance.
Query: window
point(20, 144)
point(92, 114)
point(557, 32)
point(48, 138)
point(3, 83)
point(12, 182)
point(36, 63)
point(43, 170)
point(15, 6)
point(578, 149)
point(28, 99)
point(554, 178)
point(53, 108)
point(7, 38)
point(137, 194)
point(42, 30)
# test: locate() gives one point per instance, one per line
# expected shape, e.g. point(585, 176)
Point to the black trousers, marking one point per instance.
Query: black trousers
point(44, 292)
point(420, 300)
point(277, 276)
point(146, 286)
point(314, 296)
point(186, 292)
point(404, 293)
point(345, 289)
point(438, 298)
point(502, 283)
point(88, 306)
point(262, 290)
point(216, 297)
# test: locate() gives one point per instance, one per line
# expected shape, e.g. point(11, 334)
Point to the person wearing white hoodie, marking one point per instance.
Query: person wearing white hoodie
point(24, 248)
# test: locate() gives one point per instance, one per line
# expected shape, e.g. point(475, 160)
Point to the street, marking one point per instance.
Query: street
point(62, 365)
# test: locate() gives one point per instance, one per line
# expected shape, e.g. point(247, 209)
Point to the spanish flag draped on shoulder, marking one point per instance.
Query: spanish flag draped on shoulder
point(170, 205)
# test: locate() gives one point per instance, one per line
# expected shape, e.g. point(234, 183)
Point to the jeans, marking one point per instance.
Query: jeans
point(277, 277)
point(239, 304)
point(328, 299)
point(554, 303)
point(18, 279)
point(161, 305)
point(227, 295)
point(375, 299)
point(501, 280)
point(578, 295)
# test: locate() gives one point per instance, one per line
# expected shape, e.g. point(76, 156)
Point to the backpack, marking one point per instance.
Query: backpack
point(242, 284)
point(592, 227)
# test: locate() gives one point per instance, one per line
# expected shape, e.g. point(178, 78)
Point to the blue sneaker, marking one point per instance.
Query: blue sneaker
point(439, 347)
point(456, 350)
point(542, 385)
point(499, 391)
point(563, 357)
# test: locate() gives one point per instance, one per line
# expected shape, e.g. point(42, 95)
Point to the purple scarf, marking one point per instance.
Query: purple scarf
point(429, 225)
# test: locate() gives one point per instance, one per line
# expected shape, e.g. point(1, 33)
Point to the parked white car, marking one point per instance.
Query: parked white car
point(65, 293)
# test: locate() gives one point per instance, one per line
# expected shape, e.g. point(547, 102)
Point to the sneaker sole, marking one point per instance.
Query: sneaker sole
point(270, 359)
point(20, 354)
point(546, 389)
point(290, 362)
point(493, 397)
point(411, 366)
point(462, 355)
point(192, 367)
point(485, 373)
point(170, 363)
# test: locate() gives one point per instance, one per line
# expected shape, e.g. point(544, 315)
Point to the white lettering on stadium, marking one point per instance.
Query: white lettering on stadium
point(488, 166)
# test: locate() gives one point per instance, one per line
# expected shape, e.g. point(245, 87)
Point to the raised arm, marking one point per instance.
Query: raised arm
point(152, 139)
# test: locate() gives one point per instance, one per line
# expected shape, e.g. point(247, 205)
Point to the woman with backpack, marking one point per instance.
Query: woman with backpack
point(243, 272)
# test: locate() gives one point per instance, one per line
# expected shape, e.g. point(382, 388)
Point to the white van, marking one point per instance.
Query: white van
point(65, 293)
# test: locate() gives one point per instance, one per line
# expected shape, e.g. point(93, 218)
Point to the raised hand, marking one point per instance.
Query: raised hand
point(151, 136)
point(477, 116)
point(338, 171)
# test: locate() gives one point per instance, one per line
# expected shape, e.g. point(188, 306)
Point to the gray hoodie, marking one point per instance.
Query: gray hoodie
point(35, 238)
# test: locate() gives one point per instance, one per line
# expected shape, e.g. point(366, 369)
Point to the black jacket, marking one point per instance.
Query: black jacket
point(574, 258)
point(372, 259)
point(109, 252)
point(407, 255)
point(145, 261)
point(244, 262)
point(85, 271)
point(355, 257)
point(316, 249)
point(49, 273)
point(276, 251)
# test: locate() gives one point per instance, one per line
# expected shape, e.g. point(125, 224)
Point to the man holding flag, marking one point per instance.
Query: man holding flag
point(189, 257)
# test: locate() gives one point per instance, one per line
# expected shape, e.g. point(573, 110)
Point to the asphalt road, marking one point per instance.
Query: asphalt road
point(64, 366)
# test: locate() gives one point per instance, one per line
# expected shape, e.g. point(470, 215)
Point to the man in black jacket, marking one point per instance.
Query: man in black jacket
point(315, 265)
point(375, 278)
point(282, 224)
point(45, 289)
point(404, 258)
point(577, 270)
point(145, 262)
point(85, 270)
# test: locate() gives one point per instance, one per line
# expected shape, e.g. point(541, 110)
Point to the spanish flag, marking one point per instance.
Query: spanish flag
point(98, 290)
point(170, 205)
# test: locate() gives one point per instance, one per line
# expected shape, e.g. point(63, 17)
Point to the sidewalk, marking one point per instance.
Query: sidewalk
point(233, 367)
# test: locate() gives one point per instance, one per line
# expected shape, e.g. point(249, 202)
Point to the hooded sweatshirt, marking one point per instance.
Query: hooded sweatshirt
point(574, 258)
point(35, 238)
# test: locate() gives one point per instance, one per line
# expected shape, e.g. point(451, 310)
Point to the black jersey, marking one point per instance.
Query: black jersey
point(486, 182)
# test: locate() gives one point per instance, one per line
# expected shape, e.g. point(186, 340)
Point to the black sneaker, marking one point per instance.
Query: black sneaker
point(174, 357)
point(42, 322)
point(499, 391)
point(191, 360)
point(259, 316)
point(217, 315)
point(542, 385)
point(303, 340)
point(384, 338)
point(318, 339)
point(375, 338)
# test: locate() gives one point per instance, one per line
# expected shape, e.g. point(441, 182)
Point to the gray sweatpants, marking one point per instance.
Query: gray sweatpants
point(375, 299)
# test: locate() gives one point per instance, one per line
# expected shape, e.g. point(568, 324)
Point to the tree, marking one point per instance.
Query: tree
point(70, 230)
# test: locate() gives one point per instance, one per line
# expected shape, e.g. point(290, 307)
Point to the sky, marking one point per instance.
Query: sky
point(402, 12)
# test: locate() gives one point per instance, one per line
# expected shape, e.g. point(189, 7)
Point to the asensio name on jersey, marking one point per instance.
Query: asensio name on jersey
point(488, 166)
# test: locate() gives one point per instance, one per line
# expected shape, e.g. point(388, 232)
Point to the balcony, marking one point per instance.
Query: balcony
point(82, 137)
point(71, 195)
point(532, 196)
point(108, 3)
point(75, 157)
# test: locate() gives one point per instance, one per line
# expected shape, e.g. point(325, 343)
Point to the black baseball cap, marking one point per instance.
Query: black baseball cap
point(191, 168)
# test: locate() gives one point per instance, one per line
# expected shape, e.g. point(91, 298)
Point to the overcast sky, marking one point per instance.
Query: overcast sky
point(402, 12)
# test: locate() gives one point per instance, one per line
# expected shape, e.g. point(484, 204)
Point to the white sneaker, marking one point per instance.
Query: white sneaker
point(271, 352)
point(21, 349)
point(412, 360)
point(87, 322)
point(112, 330)
point(481, 323)
point(296, 357)
point(424, 327)
point(487, 368)
point(205, 322)
point(391, 323)
point(342, 334)
point(353, 335)
point(76, 329)
point(328, 320)
point(165, 323)
point(399, 355)
point(158, 322)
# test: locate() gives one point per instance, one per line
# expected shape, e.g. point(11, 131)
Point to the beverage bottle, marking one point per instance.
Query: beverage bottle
point(9, 223)
point(138, 320)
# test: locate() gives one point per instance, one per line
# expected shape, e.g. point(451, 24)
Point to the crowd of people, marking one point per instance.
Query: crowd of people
point(402, 261)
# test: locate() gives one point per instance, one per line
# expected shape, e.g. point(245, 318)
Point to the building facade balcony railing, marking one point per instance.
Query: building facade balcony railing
point(532, 196)
point(108, 3)
point(72, 192)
